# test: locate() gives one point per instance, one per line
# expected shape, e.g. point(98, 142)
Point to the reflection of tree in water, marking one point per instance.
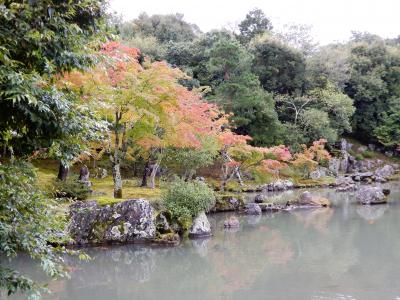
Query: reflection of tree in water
point(239, 258)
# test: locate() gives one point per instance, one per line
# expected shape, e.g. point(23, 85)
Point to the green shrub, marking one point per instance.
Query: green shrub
point(359, 157)
point(71, 189)
point(185, 200)
point(369, 154)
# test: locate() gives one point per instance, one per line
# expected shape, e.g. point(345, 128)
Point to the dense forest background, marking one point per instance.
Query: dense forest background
point(281, 86)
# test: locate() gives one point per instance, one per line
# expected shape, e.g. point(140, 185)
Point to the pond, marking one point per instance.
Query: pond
point(344, 252)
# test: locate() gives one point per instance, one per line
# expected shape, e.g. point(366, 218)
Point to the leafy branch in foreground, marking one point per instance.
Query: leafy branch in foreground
point(30, 224)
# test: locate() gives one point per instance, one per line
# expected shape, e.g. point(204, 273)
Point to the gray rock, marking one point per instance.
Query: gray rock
point(271, 207)
point(307, 199)
point(260, 198)
point(334, 165)
point(200, 178)
point(315, 175)
point(344, 181)
point(101, 173)
point(201, 226)
point(127, 221)
point(389, 153)
point(252, 209)
point(228, 203)
point(84, 175)
point(379, 179)
point(370, 195)
point(347, 188)
point(385, 172)
point(279, 185)
point(362, 175)
point(371, 147)
point(162, 223)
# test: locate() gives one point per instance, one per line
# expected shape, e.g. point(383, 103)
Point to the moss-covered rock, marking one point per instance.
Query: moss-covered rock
point(170, 238)
point(228, 202)
point(127, 221)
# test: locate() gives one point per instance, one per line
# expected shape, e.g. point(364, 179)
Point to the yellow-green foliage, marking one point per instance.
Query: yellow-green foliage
point(305, 183)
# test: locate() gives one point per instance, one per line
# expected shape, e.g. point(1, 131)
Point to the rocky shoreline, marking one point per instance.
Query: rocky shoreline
point(137, 221)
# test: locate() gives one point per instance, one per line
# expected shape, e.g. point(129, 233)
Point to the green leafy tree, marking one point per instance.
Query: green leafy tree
point(165, 28)
point(28, 223)
point(280, 68)
point(329, 65)
point(300, 114)
point(315, 124)
point(40, 39)
point(388, 133)
point(298, 36)
point(374, 82)
point(255, 23)
point(239, 92)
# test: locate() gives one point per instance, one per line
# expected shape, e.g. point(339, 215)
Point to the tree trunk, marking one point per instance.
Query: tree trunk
point(228, 175)
point(145, 172)
point(153, 175)
point(117, 180)
point(63, 171)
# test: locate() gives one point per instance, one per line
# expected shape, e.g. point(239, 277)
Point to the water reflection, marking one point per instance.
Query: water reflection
point(318, 218)
point(325, 253)
point(371, 213)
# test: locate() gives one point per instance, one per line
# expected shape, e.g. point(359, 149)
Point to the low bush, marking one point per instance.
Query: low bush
point(359, 156)
point(369, 154)
point(185, 200)
point(71, 189)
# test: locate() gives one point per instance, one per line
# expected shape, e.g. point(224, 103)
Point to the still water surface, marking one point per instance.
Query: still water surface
point(345, 252)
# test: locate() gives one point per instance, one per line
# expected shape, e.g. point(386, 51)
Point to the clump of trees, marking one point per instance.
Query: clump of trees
point(282, 88)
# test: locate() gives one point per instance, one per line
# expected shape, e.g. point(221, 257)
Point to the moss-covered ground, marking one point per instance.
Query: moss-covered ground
point(46, 171)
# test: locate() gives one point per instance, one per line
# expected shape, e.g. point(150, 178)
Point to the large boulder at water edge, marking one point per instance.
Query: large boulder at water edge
point(201, 226)
point(279, 185)
point(306, 199)
point(252, 209)
point(228, 203)
point(385, 172)
point(127, 221)
point(345, 184)
point(371, 195)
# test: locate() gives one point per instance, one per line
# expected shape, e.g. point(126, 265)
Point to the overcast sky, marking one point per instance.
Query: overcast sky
point(332, 20)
